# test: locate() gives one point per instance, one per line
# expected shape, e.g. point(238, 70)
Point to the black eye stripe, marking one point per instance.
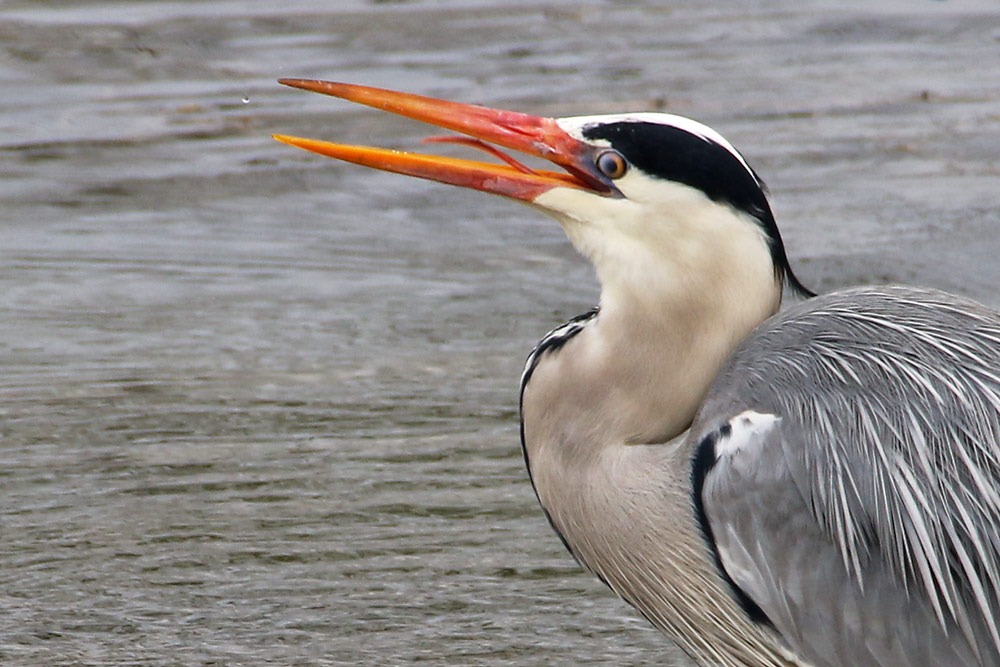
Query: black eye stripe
point(662, 150)
point(671, 153)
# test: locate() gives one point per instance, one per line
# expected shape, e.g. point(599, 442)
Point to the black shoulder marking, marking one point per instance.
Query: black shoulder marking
point(671, 153)
point(703, 461)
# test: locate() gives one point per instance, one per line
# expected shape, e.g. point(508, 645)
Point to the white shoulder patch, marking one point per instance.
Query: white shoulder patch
point(747, 431)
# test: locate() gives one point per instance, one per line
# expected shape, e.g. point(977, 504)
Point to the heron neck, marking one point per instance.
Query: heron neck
point(663, 335)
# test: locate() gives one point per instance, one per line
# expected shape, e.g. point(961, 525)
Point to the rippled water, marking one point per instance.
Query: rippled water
point(258, 407)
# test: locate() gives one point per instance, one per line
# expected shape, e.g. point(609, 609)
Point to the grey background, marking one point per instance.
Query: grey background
point(257, 407)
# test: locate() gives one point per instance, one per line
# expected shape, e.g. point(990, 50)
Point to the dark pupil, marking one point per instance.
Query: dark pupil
point(611, 164)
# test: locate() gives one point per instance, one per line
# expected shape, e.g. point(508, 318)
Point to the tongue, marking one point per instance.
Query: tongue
point(483, 146)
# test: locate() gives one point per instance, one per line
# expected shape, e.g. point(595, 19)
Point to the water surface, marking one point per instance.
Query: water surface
point(260, 408)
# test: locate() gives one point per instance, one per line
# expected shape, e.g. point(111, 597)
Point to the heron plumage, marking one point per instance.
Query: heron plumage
point(889, 409)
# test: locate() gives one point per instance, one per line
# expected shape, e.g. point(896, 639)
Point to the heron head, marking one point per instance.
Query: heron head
point(643, 195)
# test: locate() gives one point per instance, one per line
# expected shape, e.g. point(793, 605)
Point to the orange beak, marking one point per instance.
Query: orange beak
point(533, 135)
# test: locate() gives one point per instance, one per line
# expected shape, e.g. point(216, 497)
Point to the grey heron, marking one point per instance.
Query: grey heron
point(816, 486)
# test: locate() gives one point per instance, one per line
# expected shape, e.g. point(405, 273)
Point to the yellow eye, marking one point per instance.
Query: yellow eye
point(612, 164)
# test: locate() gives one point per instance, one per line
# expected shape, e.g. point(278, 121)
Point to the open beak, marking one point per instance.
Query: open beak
point(533, 135)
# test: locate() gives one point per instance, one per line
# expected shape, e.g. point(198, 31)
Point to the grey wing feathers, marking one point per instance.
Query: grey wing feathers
point(875, 487)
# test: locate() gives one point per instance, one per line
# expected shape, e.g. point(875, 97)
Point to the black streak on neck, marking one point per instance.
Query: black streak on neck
point(554, 340)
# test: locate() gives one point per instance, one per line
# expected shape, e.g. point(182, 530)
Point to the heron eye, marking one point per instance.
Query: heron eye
point(612, 164)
